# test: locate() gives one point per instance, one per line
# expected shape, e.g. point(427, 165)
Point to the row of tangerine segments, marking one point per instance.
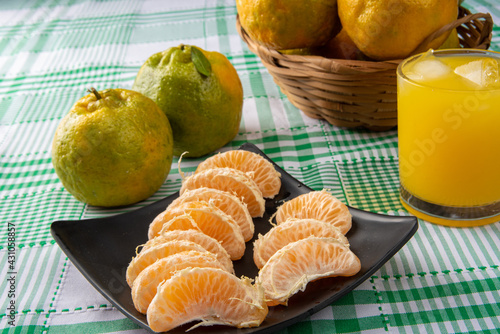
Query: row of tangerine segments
point(190, 221)
point(308, 243)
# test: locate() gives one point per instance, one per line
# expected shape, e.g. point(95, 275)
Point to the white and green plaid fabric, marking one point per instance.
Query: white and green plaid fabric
point(445, 280)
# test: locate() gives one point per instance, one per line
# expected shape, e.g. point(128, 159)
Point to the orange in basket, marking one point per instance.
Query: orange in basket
point(289, 24)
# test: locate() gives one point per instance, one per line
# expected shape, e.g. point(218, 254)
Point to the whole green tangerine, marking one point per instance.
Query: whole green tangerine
point(204, 110)
point(113, 148)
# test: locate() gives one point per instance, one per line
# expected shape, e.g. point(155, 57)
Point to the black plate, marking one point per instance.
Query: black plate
point(102, 249)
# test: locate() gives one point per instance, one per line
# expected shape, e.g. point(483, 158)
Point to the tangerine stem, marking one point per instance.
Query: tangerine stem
point(95, 92)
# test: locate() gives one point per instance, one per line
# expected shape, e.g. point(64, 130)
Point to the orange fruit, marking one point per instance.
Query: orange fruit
point(151, 255)
point(225, 201)
point(113, 148)
point(292, 230)
point(199, 91)
point(211, 295)
point(394, 29)
point(230, 180)
point(301, 51)
point(319, 205)
point(290, 24)
point(198, 237)
point(340, 47)
point(452, 42)
point(146, 284)
point(292, 267)
point(210, 220)
point(257, 167)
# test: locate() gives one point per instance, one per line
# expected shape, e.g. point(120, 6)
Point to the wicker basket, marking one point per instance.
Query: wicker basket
point(355, 93)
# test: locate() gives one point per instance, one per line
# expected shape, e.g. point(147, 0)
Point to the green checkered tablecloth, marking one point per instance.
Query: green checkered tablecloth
point(443, 280)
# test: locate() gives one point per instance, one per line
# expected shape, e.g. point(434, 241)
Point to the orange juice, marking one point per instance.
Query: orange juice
point(449, 136)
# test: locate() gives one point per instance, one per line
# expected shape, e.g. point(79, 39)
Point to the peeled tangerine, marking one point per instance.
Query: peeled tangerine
point(291, 268)
point(231, 180)
point(156, 252)
point(210, 220)
point(225, 201)
point(256, 166)
point(292, 230)
point(196, 236)
point(319, 205)
point(146, 284)
point(211, 295)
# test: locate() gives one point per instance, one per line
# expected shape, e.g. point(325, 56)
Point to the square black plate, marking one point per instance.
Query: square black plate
point(102, 249)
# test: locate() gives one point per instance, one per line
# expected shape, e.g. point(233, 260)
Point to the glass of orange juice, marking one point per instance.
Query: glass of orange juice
point(449, 136)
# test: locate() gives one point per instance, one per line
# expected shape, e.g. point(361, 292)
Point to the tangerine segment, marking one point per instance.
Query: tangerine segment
point(320, 205)
point(232, 181)
point(183, 222)
point(292, 230)
point(260, 169)
point(196, 236)
point(225, 201)
point(210, 220)
point(151, 255)
point(291, 268)
point(213, 296)
point(146, 284)
point(174, 219)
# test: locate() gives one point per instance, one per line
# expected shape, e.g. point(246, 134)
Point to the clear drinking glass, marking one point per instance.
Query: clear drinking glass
point(449, 136)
